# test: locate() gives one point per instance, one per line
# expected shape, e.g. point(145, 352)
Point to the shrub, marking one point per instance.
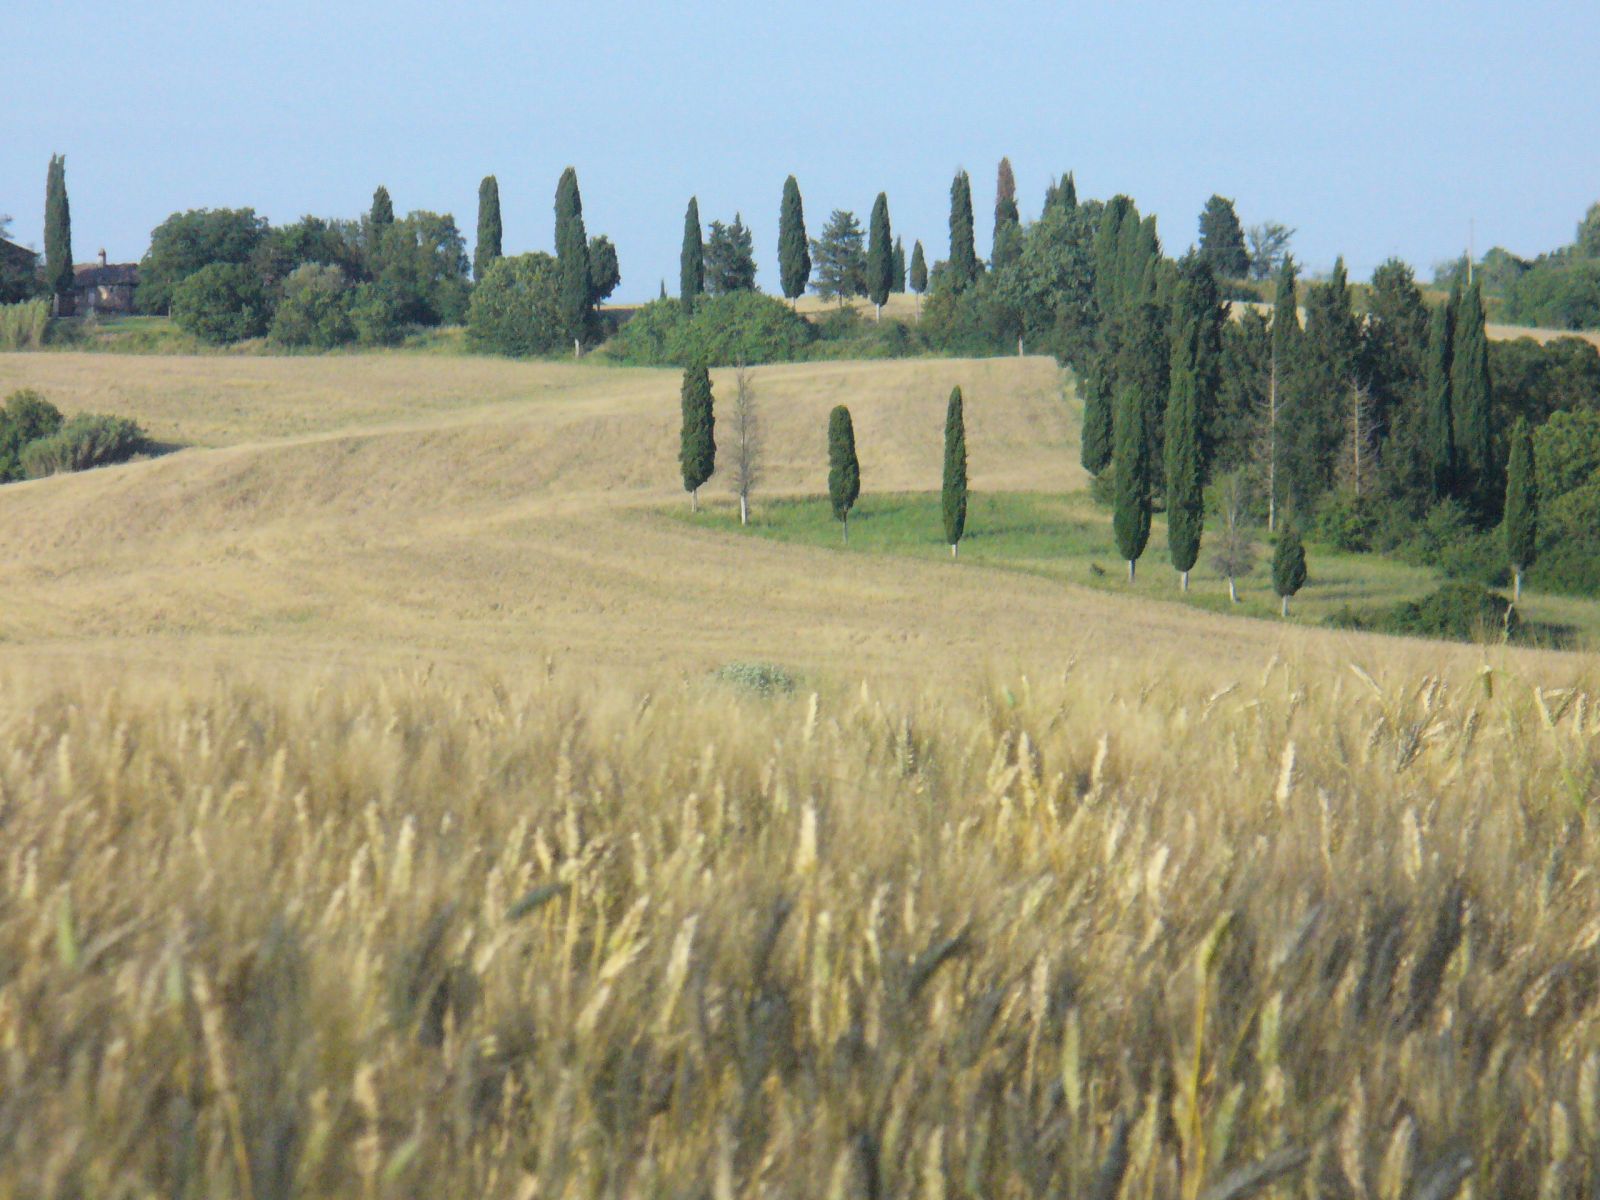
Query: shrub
point(965, 323)
point(1460, 612)
point(646, 338)
point(315, 309)
point(26, 417)
point(222, 303)
point(1346, 521)
point(516, 308)
point(23, 325)
point(377, 315)
point(724, 330)
point(765, 679)
point(87, 440)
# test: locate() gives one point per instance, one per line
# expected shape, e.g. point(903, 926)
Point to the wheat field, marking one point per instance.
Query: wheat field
point(375, 824)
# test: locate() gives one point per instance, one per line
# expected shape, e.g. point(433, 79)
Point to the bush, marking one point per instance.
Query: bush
point(87, 440)
point(1346, 521)
point(23, 325)
point(377, 315)
point(965, 323)
point(1461, 612)
point(765, 679)
point(516, 308)
point(315, 309)
point(724, 330)
point(222, 303)
point(27, 417)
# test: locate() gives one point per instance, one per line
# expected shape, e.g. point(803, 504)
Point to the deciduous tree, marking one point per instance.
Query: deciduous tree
point(747, 441)
point(1269, 247)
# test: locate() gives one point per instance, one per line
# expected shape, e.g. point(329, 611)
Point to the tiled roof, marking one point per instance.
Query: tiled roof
point(94, 275)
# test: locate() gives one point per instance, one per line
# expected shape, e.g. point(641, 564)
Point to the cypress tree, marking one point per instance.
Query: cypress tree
point(919, 269)
point(58, 236)
point(487, 248)
point(1196, 352)
point(1007, 244)
point(844, 471)
point(1470, 399)
point(1288, 566)
point(692, 259)
point(1439, 430)
point(1522, 506)
point(1062, 195)
point(1198, 316)
point(382, 208)
point(575, 282)
point(897, 284)
point(1130, 519)
point(1286, 337)
point(955, 472)
point(794, 255)
point(1096, 445)
point(963, 268)
point(880, 256)
point(697, 443)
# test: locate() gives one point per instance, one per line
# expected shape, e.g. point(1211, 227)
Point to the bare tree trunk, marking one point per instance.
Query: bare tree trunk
point(1516, 584)
point(1131, 563)
point(1185, 578)
point(1233, 590)
point(877, 313)
point(952, 549)
point(846, 526)
point(744, 509)
point(1019, 345)
point(1284, 607)
point(694, 500)
point(577, 348)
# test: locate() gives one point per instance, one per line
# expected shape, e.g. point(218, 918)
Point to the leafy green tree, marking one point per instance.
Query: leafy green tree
point(222, 303)
point(1222, 239)
point(962, 271)
point(1440, 437)
point(1587, 242)
point(919, 269)
point(840, 264)
point(880, 256)
point(954, 497)
point(424, 268)
point(315, 309)
point(1522, 506)
point(604, 271)
point(897, 268)
point(58, 236)
point(487, 248)
point(794, 257)
point(1471, 399)
point(284, 249)
point(572, 260)
point(691, 259)
point(185, 242)
point(697, 445)
point(844, 471)
point(1269, 248)
point(382, 214)
point(1130, 519)
point(517, 307)
point(730, 258)
point(1007, 244)
point(1288, 566)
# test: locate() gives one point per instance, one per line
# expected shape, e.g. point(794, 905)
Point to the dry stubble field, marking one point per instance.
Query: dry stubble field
point(372, 826)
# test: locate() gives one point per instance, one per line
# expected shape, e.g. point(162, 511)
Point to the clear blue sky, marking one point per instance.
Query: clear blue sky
point(1373, 128)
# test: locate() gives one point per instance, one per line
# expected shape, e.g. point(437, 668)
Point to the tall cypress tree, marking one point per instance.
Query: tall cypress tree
point(1470, 397)
point(1522, 506)
point(844, 471)
point(1439, 428)
point(487, 248)
point(58, 236)
point(1191, 404)
point(697, 442)
point(1130, 519)
point(794, 255)
point(1062, 194)
point(1288, 566)
point(382, 208)
point(963, 267)
point(1007, 244)
point(880, 256)
point(692, 259)
point(954, 496)
point(1286, 339)
point(919, 269)
point(575, 282)
point(898, 283)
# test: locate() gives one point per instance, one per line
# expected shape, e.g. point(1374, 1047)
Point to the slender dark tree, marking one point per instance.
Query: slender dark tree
point(955, 472)
point(1196, 349)
point(1222, 239)
point(382, 208)
point(487, 248)
point(576, 283)
point(794, 256)
point(692, 259)
point(1439, 429)
point(1198, 318)
point(844, 471)
point(880, 256)
point(1288, 566)
point(697, 443)
point(1096, 448)
point(1130, 519)
point(58, 236)
point(897, 284)
point(1471, 395)
point(1522, 506)
point(1286, 338)
point(963, 267)
point(919, 269)
point(1007, 244)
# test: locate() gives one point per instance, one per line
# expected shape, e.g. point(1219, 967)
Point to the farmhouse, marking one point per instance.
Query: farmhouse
point(104, 287)
point(17, 258)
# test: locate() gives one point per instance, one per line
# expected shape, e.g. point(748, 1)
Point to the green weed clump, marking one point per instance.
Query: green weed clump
point(23, 325)
point(1149, 933)
point(765, 679)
